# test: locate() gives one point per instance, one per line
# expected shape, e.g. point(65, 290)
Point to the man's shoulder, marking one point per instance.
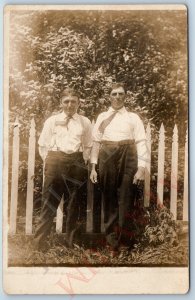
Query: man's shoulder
point(84, 119)
point(103, 114)
point(53, 117)
point(134, 115)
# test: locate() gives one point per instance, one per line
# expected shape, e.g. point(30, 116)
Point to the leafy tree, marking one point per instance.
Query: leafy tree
point(89, 50)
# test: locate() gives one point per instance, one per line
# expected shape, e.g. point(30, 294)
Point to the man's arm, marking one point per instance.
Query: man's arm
point(45, 139)
point(87, 140)
point(97, 136)
point(94, 159)
point(140, 138)
point(43, 152)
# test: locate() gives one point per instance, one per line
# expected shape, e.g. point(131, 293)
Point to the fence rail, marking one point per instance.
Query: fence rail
point(90, 187)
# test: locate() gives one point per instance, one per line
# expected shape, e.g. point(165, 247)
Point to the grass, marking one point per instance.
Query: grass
point(21, 253)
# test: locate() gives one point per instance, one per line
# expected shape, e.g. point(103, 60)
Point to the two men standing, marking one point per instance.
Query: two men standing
point(118, 148)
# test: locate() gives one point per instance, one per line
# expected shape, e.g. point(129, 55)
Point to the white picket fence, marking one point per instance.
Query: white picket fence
point(89, 221)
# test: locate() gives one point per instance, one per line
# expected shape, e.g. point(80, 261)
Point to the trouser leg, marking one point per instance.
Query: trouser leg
point(108, 183)
point(76, 181)
point(127, 166)
point(52, 193)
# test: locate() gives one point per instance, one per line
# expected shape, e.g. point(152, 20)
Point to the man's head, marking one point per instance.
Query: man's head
point(117, 96)
point(69, 101)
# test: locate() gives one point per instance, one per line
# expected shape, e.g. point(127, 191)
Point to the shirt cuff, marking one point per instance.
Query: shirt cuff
point(141, 163)
point(86, 153)
point(142, 153)
point(95, 152)
point(93, 161)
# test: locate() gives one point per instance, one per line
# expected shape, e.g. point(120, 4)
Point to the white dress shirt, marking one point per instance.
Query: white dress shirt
point(124, 126)
point(76, 136)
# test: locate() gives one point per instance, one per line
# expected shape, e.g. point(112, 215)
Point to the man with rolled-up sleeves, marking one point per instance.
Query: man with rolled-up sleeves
point(64, 145)
point(119, 148)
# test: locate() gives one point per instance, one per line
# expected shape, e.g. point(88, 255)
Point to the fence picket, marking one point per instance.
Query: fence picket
point(147, 168)
point(59, 216)
point(174, 173)
point(161, 160)
point(90, 186)
point(30, 180)
point(185, 194)
point(14, 184)
point(90, 196)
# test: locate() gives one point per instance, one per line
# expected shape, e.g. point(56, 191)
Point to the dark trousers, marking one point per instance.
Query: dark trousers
point(64, 174)
point(117, 167)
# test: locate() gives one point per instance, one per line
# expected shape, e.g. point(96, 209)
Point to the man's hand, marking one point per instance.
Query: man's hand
point(93, 175)
point(139, 175)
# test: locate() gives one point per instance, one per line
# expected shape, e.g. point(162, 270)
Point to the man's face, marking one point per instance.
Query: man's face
point(70, 104)
point(117, 97)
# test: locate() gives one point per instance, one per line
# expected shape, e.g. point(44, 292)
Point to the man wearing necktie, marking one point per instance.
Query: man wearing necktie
point(64, 145)
point(119, 147)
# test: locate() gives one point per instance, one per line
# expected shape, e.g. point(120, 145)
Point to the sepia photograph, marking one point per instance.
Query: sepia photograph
point(96, 147)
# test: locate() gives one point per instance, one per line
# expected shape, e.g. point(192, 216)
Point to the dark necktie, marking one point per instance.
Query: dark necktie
point(65, 122)
point(106, 122)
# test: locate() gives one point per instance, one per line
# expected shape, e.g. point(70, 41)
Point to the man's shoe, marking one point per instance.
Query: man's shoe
point(112, 240)
point(40, 247)
point(70, 238)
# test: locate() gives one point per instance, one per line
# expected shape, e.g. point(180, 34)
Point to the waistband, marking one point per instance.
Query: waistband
point(61, 153)
point(118, 143)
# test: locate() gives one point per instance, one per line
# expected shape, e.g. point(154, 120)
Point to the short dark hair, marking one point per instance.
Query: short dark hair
point(117, 85)
point(69, 91)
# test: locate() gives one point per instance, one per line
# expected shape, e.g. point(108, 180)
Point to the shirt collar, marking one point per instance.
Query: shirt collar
point(121, 111)
point(64, 115)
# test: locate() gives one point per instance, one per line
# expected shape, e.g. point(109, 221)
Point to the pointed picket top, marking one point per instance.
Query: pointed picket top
point(175, 134)
point(32, 123)
point(16, 123)
point(162, 132)
point(16, 126)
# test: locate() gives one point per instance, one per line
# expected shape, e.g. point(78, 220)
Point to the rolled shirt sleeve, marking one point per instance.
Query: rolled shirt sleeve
point(87, 139)
point(45, 138)
point(96, 137)
point(96, 134)
point(46, 134)
point(140, 140)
